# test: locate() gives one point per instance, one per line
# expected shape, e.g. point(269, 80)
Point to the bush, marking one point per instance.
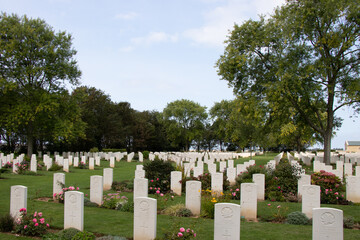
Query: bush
point(114, 201)
point(67, 234)
point(23, 167)
point(60, 196)
point(88, 203)
point(82, 165)
point(160, 170)
point(123, 186)
point(127, 207)
point(94, 149)
point(31, 224)
point(55, 167)
point(6, 223)
point(349, 222)
point(331, 187)
point(84, 236)
point(109, 237)
point(178, 210)
point(297, 218)
point(146, 154)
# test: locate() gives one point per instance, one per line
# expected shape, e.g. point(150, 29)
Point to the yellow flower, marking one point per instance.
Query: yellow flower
point(213, 200)
point(222, 193)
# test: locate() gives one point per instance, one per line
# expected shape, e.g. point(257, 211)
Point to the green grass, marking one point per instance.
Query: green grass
point(112, 222)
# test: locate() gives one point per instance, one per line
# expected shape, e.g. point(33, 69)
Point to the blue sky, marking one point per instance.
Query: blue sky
point(152, 52)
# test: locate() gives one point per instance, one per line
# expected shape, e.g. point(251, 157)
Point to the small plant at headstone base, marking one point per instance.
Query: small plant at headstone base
point(8, 165)
point(278, 213)
point(146, 154)
point(176, 232)
point(40, 165)
point(6, 223)
point(161, 170)
point(55, 167)
point(348, 222)
point(88, 203)
point(85, 235)
point(177, 210)
point(60, 196)
point(23, 167)
point(31, 224)
point(331, 187)
point(235, 193)
point(208, 201)
point(114, 201)
point(127, 207)
point(82, 165)
point(67, 234)
point(163, 199)
point(123, 186)
point(297, 218)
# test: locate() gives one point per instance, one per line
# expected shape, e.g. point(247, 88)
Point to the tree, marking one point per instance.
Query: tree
point(220, 114)
point(308, 51)
point(184, 119)
point(35, 65)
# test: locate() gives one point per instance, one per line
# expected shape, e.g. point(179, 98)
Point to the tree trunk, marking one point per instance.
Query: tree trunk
point(30, 145)
point(327, 147)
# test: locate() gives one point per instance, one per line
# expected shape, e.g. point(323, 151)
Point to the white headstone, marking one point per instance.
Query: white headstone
point(353, 189)
point(347, 169)
point(248, 201)
point(141, 157)
point(96, 189)
point(108, 178)
point(230, 163)
point(259, 180)
point(66, 165)
point(240, 168)
point(231, 175)
point(58, 183)
point(74, 210)
point(97, 161)
point(76, 161)
point(327, 224)
point(212, 168)
point(222, 166)
point(310, 199)
point(91, 163)
point(33, 163)
point(303, 180)
point(141, 187)
point(357, 171)
point(175, 184)
point(145, 214)
point(112, 162)
point(140, 173)
point(217, 183)
point(193, 196)
point(227, 221)
point(18, 200)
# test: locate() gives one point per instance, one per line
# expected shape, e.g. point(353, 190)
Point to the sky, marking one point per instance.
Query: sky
point(152, 52)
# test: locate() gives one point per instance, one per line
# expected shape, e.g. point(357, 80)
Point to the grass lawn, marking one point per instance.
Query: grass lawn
point(112, 222)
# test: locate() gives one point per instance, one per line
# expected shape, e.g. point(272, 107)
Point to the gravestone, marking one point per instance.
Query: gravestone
point(141, 187)
point(357, 171)
point(259, 180)
point(33, 163)
point(310, 199)
point(66, 165)
point(230, 163)
point(303, 180)
point(231, 175)
point(227, 221)
point(91, 163)
point(222, 166)
point(198, 171)
point(108, 178)
point(140, 173)
point(58, 183)
point(145, 216)
point(353, 189)
point(240, 168)
point(76, 161)
point(74, 210)
point(70, 157)
point(248, 201)
point(347, 169)
point(193, 197)
point(112, 162)
point(327, 224)
point(175, 184)
point(97, 161)
point(139, 167)
point(18, 200)
point(212, 168)
point(187, 169)
point(96, 189)
point(216, 183)
point(141, 157)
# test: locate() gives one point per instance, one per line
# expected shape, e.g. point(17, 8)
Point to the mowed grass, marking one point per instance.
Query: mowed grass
point(112, 222)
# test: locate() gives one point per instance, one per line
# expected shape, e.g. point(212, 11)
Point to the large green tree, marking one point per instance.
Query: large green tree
point(220, 114)
point(184, 121)
point(36, 63)
point(308, 51)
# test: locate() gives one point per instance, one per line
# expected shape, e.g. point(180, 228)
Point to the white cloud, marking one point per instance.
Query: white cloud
point(155, 37)
point(126, 49)
point(218, 21)
point(126, 16)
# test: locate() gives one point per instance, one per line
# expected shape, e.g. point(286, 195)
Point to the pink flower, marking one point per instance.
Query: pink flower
point(157, 191)
point(35, 214)
point(36, 224)
point(278, 206)
point(54, 195)
point(336, 193)
point(337, 197)
point(42, 220)
point(188, 230)
point(194, 234)
point(182, 229)
point(237, 190)
point(22, 209)
point(77, 188)
point(157, 179)
point(34, 220)
point(179, 234)
point(151, 180)
point(86, 195)
point(269, 204)
point(279, 187)
point(234, 194)
point(161, 194)
point(150, 188)
point(47, 225)
point(25, 226)
point(40, 214)
point(172, 196)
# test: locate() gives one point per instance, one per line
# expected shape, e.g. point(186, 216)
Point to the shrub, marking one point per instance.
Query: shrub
point(114, 201)
point(109, 237)
point(208, 203)
point(60, 196)
point(178, 233)
point(277, 213)
point(94, 149)
point(55, 167)
point(23, 167)
point(349, 222)
point(161, 170)
point(8, 165)
point(178, 210)
point(123, 186)
point(297, 218)
point(88, 203)
point(67, 234)
point(127, 207)
point(331, 187)
point(146, 154)
point(82, 165)
point(6, 223)
point(84, 236)
point(31, 224)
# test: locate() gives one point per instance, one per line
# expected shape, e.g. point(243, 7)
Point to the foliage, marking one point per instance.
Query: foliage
point(123, 186)
point(348, 222)
point(297, 218)
point(8, 165)
point(109, 237)
point(23, 167)
point(84, 236)
point(88, 203)
point(67, 234)
point(278, 213)
point(208, 201)
point(114, 201)
point(146, 154)
point(55, 167)
point(6, 223)
point(177, 210)
point(127, 207)
point(61, 195)
point(163, 199)
point(331, 187)
point(31, 224)
point(83, 165)
point(94, 150)
point(160, 171)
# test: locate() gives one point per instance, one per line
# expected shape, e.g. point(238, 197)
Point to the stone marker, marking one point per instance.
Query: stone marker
point(33, 163)
point(216, 183)
point(141, 157)
point(259, 180)
point(112, 162)
point(96, 189)
point(212, 168)
point(222, 166)
point(327, 224)
point(18, 200)
point(347, 169)
point(145, 216)
point(231, 175)
point(66, 165)
point(303, 180)
point(175, 185)
point(76, 161)
point(353, 189)
point(141, 187)
point(193, 196)
point(357, 171)
point(140, 173)
point(58, 183)
point(97, 161)
point(91, 163)
point(230, 163)
point(74, 210)
point(227, 221)
point(108, 178)
point(248, 201)
point(310, 199)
